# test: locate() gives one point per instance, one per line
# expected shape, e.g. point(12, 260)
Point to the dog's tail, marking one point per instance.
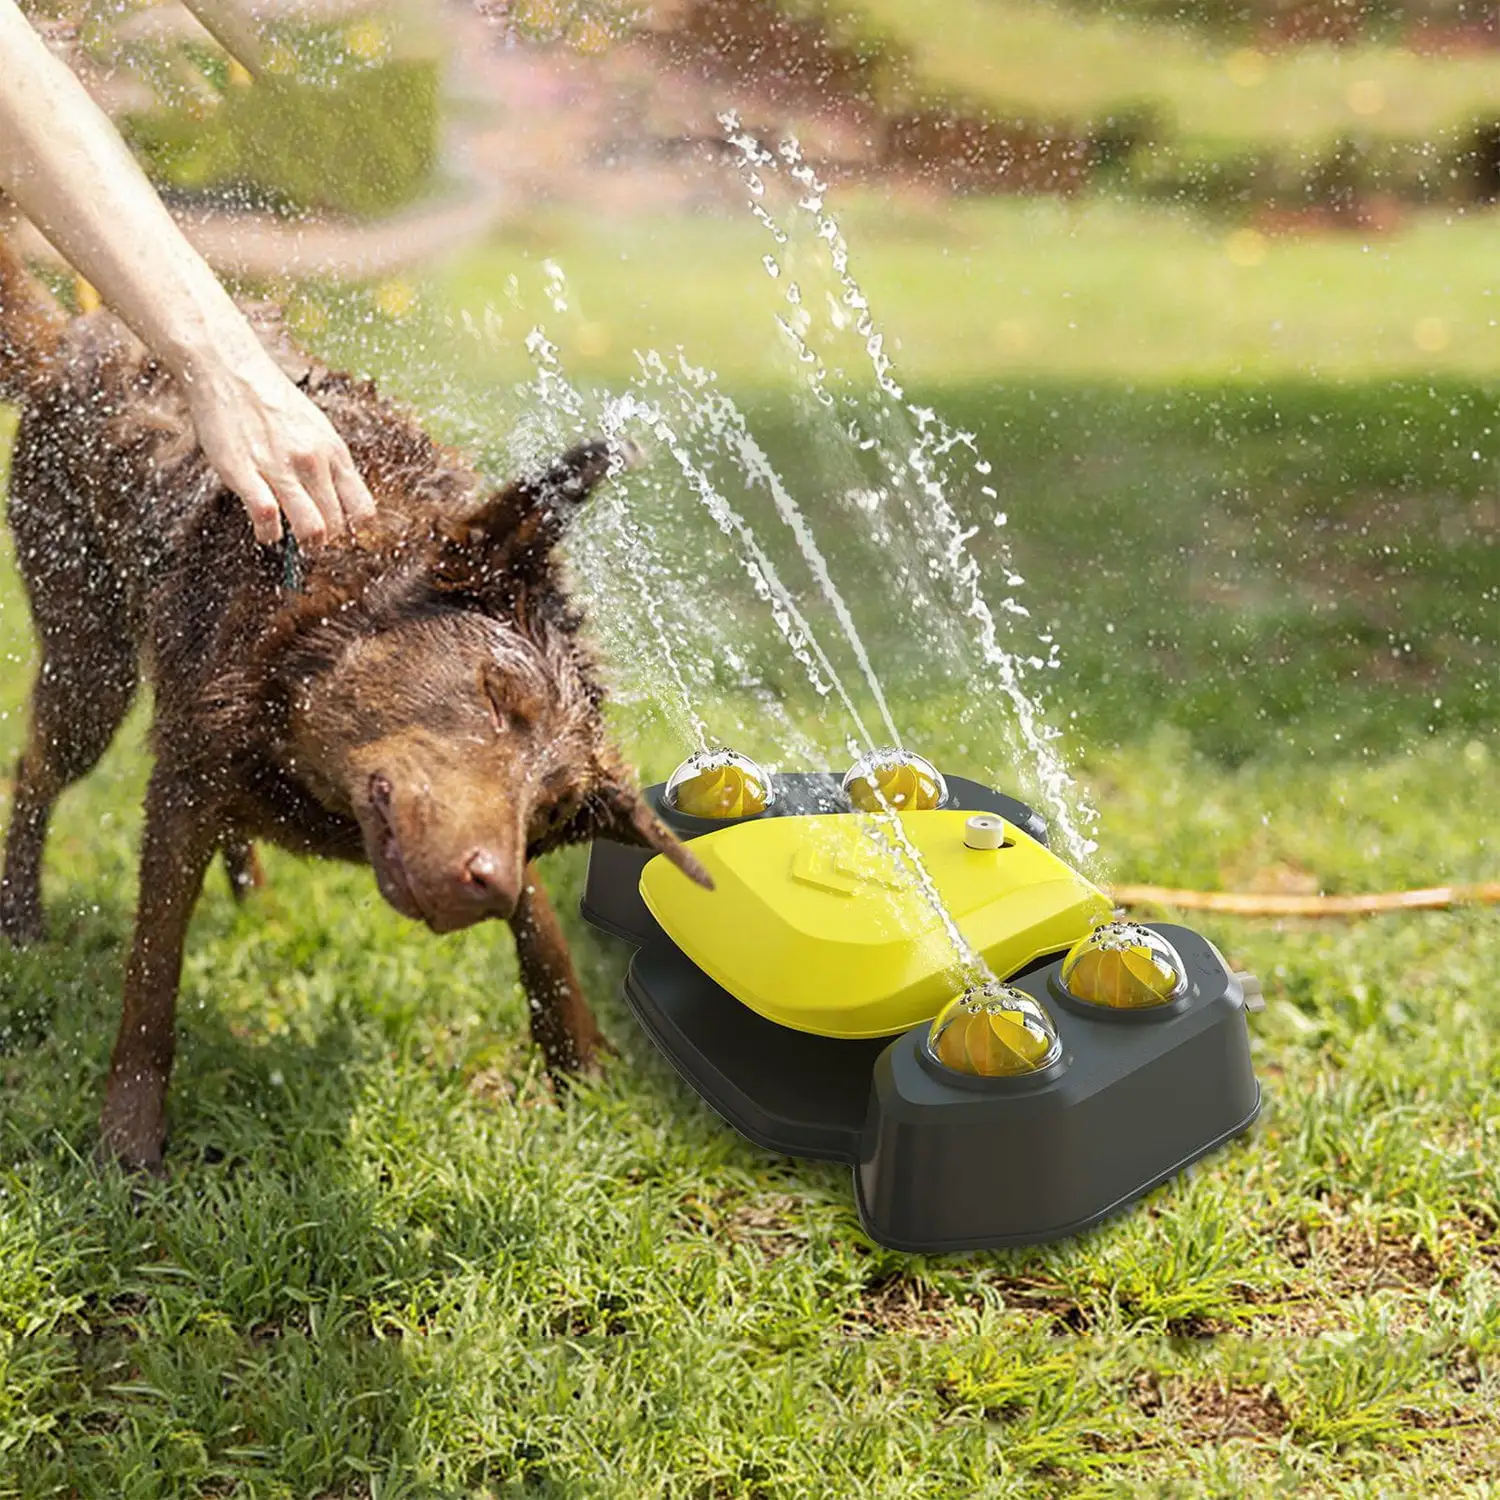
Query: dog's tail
point(30, 323)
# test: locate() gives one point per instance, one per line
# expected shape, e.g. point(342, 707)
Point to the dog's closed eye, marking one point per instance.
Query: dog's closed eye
point(555, 823)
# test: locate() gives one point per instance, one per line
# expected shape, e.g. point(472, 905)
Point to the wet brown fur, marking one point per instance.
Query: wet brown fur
point(435, 659)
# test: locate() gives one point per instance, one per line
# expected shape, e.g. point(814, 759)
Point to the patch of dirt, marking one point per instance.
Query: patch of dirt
point(905, 1305)
point(1472, 1460)
point(1481, 1233)
point(1215, 1411)
point(767, 1223)
point(1199, 1326)
point(1307, 1320)
point(1039, 1295)
point(1358, 1259)
point(1343, 1261)
point(1466, 1370)
point(1146, 1392)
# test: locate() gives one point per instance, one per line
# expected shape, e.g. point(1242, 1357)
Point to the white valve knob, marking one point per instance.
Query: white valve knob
point(984, 831)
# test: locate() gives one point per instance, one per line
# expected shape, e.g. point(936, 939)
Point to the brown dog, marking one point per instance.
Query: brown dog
point(423, 703)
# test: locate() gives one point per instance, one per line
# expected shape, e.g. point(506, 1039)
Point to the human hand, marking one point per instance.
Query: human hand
point(274, 448)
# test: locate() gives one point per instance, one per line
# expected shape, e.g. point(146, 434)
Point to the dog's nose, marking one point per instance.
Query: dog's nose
point(488, 884)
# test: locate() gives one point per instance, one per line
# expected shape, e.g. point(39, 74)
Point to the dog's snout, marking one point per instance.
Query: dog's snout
point(488, 883)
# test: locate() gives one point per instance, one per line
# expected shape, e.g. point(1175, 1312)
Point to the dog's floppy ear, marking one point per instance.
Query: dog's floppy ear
point(515, 529)
point(626, 818)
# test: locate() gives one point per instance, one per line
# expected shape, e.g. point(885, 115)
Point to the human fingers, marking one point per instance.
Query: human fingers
point(236, 466)
point(317, 480)
point(354, 494)
point(258, 499)
point(302, 514)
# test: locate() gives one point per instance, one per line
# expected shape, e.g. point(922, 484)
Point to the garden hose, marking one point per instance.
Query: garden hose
point(1253, 904)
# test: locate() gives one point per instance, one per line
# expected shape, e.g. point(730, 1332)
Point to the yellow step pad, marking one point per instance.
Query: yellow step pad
point(824, 923)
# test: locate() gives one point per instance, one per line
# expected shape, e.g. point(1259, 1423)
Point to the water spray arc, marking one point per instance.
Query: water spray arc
point(949, 551)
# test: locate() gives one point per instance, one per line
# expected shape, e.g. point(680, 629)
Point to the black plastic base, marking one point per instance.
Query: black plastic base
point(951, 1163)
point(788, 1091)
point(943, 1161)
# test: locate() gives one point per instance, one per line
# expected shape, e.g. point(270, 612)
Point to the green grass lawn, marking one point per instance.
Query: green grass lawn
point(1245, 500)
point(387, 1263)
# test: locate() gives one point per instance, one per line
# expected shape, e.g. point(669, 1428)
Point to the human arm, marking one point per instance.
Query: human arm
point(62, 161)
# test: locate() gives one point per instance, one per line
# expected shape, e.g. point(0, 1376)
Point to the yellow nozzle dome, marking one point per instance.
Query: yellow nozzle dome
point(996, 1032)
point(1124, 966)
point(894, 780)
point(719, 784)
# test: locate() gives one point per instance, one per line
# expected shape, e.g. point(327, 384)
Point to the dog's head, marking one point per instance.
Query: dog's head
point(456, 716)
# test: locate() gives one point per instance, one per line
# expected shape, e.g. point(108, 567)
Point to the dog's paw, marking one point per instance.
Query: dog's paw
point(587, 1060)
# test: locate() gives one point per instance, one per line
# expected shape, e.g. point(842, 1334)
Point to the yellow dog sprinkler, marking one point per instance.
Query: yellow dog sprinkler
point(893, 969)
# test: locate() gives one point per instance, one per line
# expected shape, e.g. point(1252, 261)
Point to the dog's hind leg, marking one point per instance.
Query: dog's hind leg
point(562, 1024)
point(181, 833)
point(242, 866)
point(82, 693)
point(88, 670)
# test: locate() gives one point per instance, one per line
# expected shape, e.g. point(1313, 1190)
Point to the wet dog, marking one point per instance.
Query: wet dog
point(422, 702)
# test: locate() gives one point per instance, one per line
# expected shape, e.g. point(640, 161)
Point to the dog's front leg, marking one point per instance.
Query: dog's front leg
point(562, 1024)
point(180, 835)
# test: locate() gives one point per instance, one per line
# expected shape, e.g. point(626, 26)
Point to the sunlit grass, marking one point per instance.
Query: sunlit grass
point(385, 1262)
point(1002, 288)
